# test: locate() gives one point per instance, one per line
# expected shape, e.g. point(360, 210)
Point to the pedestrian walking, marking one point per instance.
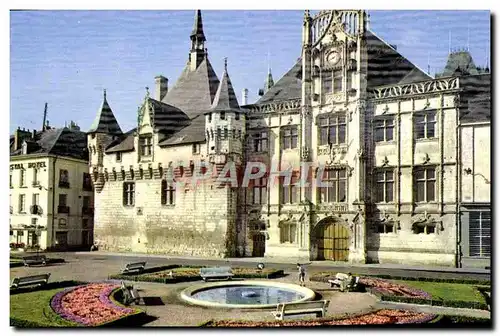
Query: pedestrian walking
point(302, 274)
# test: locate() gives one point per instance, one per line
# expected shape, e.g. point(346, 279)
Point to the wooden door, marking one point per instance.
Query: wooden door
point(259, 245)
point(333, 242)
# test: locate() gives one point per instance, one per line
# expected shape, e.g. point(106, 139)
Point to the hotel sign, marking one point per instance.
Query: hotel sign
point(29, 165)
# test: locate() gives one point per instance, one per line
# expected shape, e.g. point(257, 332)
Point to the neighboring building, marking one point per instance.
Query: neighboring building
point(386, 131)
point(51, 194)
point(475, 156)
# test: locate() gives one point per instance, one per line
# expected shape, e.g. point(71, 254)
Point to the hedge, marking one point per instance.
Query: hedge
point(430, 302)
point(463, 320)
point(324, 278)
point(146, 275)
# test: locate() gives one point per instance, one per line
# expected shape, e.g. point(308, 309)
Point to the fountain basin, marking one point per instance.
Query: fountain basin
point(245, 294)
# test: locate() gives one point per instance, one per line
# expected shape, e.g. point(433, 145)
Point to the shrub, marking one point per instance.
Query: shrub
point(324, 276)
point(154, 274)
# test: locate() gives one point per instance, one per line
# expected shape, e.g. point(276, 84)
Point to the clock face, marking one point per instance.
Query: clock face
point(333, 57)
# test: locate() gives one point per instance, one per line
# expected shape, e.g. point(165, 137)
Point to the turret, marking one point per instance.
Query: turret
point(102, 132)
point(225, 121)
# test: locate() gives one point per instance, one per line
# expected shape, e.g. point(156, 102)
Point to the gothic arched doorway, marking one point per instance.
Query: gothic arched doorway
point(332, 237)
point(259, 245)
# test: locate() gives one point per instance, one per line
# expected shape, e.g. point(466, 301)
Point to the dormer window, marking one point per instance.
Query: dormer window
point(118, 157)
point(236, 116)
point(222, 115)
point(146, 145)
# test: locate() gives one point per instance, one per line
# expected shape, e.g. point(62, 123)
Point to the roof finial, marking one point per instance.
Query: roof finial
point(104, 94)
point(147, 91)
point(468, 34)
point(306, 13)
point(225, 64)
point(449, 42)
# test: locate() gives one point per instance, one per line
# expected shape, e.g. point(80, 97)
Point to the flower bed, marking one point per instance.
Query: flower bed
point(384, 287)
point(383, 316)
point(90, 305)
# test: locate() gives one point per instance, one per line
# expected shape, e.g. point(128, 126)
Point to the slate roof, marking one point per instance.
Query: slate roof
point(105, 121)
point(459, 63)
point(287, 87)
point(123, 144)
point(475, 99)
point(225, 98)
point(386, 66)
point(58, 141)
point(195, 132)
point(194, 91)
point(166, 118)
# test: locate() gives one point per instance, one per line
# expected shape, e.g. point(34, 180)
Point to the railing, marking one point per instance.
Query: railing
point(63, 184)
point(35, 209)
point(63, 209)
point(87, 211)
point(332, 207)
point(87, 187)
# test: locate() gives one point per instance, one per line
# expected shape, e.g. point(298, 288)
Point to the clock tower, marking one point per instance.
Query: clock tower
point(334, 92)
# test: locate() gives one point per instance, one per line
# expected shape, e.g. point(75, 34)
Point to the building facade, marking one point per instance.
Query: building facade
point(51, 194)
point(384, 134)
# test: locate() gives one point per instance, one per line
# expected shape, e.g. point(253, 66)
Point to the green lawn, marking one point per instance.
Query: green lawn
point(35, 307)
point(447, 291)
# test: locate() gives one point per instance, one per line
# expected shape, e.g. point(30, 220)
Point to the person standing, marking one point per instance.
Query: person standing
point(302, 274)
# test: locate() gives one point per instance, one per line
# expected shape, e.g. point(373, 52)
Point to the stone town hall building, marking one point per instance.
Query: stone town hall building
point(407, 156)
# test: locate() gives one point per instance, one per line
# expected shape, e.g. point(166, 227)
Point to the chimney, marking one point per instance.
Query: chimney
point(244, 97)
point(161, 89)
point(20, 136)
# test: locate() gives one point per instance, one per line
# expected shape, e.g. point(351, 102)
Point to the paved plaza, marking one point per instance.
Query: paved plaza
point(162, 300)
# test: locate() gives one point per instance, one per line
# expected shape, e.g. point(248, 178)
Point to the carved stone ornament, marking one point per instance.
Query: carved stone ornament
point(305, 155)
point(385, 161)
point(427, 219)
point(426, 159)
point(286, 217)
point(433, 86)
point(427, 104)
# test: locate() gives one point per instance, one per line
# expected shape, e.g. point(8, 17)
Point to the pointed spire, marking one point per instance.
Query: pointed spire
point(198, 52)
point(269, 80)
point(225, 98)
point(197, 33)
point(105, 121)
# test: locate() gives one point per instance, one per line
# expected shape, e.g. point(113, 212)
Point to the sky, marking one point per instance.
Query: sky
point(67, 58)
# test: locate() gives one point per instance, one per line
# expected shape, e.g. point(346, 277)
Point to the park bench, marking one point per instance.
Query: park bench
point(34, 260)
point(220, 273)
point(130, 294)
point(32, 280)
point(134, 267)
point(341, 277)
point(301, 308)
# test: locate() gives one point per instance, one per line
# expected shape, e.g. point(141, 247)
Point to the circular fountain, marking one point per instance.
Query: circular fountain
point(245, 294)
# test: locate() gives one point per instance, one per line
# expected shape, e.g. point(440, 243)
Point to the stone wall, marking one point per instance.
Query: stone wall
point(199, 224)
